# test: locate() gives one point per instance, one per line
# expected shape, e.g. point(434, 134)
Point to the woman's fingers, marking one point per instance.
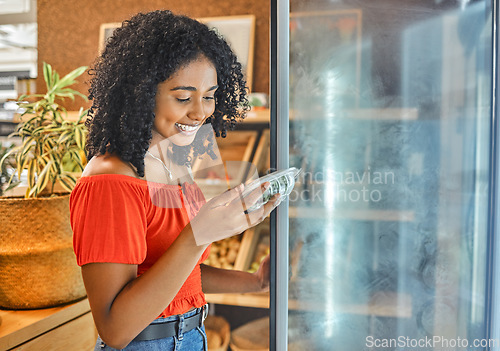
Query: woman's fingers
point(255, 217)
point(255, 195)
point(227, 215)
point(228, 196)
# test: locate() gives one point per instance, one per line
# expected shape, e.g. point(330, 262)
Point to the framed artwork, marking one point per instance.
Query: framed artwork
point(105, 33)
point(239, 31)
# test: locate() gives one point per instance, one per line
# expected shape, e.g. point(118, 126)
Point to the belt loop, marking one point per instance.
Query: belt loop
point(180, 330)
point(204, 314)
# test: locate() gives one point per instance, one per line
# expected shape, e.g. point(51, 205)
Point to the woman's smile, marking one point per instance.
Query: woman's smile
point(185, 101)
point(186, 129)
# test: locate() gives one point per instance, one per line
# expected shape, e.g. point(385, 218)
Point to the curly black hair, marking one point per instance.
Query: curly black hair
point(145, 51)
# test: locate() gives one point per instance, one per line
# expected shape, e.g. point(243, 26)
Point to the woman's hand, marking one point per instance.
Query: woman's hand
point(225, 215)
point(263, 273)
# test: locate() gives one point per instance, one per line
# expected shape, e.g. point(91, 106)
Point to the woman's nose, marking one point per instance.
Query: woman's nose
point(197, 112)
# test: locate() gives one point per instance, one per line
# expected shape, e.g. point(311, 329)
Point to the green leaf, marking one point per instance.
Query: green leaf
point(79, 138)
point(7, 154)
point(19, 160)
point(83, 113)
point(43, 178)
point(11, 184)
point(31, 173)
point(22, 103)
point(56, 165)
point(43, 161)
point(47, 75)
point(63, 137)
point(69, 79)
point(50, 144)
point(30, 121)
point(83, 96)
point(22, 165)
point(27, 145)
point(76, 157)
point(38, 130)
point(70, 95)
point(55, 129)
point(67, 181)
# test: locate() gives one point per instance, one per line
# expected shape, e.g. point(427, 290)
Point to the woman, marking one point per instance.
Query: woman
point(161, 77)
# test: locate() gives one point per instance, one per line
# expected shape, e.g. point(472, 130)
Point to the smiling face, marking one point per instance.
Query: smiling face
point(185, 101)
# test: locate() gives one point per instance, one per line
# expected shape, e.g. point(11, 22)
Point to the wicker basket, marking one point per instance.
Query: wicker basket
point(220, 327)
point(37, 265)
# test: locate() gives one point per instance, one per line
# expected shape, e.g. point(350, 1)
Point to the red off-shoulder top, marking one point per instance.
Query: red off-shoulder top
point(122, 219)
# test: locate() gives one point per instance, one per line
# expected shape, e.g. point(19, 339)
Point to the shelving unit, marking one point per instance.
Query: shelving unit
point(362, 215)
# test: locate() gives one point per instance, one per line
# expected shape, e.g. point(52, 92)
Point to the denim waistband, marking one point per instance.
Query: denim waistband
point(176, 317)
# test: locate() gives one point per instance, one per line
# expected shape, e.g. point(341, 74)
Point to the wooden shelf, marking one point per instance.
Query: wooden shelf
point(26, 326)
point(258, 116)
point(384, 304)
point(362, 215)
point(247, 300)
point(378, 114)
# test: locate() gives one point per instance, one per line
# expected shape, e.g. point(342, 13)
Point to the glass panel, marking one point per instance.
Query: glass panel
point(390, 122)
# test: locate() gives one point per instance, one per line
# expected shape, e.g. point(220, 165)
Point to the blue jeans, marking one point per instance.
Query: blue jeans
point(193, 340)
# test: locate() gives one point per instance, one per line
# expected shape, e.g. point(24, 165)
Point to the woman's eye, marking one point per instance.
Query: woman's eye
point(209, 98)
point(183, 100)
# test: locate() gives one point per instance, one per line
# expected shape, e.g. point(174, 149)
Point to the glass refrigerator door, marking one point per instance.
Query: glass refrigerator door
point(390, 121)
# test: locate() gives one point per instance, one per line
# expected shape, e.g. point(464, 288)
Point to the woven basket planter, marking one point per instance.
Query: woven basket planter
point(37, 265)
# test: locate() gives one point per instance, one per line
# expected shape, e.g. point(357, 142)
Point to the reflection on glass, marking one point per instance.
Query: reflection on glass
point(390, 109)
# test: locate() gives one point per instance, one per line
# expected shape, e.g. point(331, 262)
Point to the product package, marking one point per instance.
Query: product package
point(281, 182)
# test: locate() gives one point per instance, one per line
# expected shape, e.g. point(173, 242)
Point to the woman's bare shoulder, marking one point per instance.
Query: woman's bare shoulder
point(108, 164)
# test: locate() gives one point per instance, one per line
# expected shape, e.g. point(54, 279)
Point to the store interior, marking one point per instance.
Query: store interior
point(68, 35)
point(390, 115)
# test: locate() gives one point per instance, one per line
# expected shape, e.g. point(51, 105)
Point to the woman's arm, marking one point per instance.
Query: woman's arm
point(217, 280)
point(123, 304)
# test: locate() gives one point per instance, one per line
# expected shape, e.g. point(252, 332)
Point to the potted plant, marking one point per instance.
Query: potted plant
point(37, 264)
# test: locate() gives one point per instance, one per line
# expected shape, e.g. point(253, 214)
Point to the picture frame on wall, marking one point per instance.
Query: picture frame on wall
point(239, 32)
point(105, 32)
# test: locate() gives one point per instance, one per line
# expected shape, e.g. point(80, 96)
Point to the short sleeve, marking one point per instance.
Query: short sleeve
point(109, 222)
